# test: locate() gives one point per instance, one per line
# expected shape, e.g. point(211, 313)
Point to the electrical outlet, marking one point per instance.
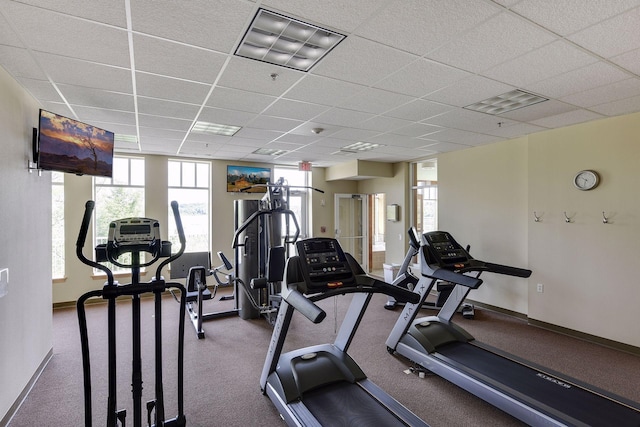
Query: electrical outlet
point(540, 288)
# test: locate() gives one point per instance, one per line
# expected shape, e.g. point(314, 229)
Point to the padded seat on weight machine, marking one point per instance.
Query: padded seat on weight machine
point(197, 274)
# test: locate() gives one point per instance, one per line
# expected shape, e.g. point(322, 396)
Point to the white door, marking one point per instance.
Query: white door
point(351, 226)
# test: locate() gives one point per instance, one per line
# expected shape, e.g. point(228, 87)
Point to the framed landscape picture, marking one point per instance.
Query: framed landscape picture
point(247, 179)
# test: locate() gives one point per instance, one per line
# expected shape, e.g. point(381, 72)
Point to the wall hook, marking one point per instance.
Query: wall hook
point(566, 218)
point(605, 220)
point(536, 218)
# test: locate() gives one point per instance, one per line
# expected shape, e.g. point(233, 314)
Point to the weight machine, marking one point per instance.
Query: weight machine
point(261, 248)
point(133, 237)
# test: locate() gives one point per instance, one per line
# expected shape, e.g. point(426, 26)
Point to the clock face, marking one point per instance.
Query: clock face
point(586, 180)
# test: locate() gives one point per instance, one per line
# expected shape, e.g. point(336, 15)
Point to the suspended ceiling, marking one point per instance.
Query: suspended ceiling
point(149, 70)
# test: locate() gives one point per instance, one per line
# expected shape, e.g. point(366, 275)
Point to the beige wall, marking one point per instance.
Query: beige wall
point(482, 202)
point(487, 198)
point(587, 267)
point(25, 247)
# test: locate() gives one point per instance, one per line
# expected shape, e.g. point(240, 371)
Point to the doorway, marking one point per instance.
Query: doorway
point(360, 228)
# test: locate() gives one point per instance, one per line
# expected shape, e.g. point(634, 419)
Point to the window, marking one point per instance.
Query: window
point(298, 198)
point(189, 185)
point(121, 196)
point(57, 225)
point(425, 196)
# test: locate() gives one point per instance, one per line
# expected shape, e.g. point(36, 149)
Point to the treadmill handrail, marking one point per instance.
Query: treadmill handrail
point(507, 270)
point(308, 308)
point(456, 278)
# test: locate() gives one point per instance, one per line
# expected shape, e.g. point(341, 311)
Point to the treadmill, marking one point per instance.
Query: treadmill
point(322, 384)
point(529, 392)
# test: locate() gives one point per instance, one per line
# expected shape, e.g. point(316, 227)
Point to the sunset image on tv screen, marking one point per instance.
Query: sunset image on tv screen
point(68, 145)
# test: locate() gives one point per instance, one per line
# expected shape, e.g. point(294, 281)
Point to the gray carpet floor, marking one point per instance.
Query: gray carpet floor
point(222, 371)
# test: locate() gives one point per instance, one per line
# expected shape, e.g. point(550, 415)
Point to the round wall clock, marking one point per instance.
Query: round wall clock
point(586, 180)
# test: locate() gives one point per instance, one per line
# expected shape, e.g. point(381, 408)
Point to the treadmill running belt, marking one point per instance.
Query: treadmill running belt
point(346, 404)
point(553, 392)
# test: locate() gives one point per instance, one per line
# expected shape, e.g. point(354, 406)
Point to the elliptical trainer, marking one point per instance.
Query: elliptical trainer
point(261, 248)
point(132, 236)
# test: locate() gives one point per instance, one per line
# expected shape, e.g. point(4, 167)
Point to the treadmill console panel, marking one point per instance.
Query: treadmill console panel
point(442, 249)
point(324, 265)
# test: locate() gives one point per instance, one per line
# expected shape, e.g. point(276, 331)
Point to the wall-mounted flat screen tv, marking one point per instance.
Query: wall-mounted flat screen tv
point(67, 145)
point(247, 179)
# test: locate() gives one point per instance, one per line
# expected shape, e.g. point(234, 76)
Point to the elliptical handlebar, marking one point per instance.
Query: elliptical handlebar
point(181, 238)
point(82, 237)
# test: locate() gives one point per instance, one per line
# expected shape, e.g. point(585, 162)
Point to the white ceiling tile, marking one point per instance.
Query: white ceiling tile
point(90, 115)
point(397, 140)
point(406, 68)
point(433, 23)
point(593, 75)
point(605, 94)
point(355, 135)
point(467, 120)
point(611, 37)
point(421, 77)
point(469, 91)
point(165, 108)
point(375, 101)
point(40, 89)
point(148, 134)
point(515, 129)
point(336, 14)
point(568, 16)
point(495, 41)
point(154, 86)
point(555, 58)
point(362, 61)
point(294, 109)
point(323, 90)
point(306, 128)
point(113, 15)
point(296, 139)
point(166, 58)
point(226, 117)
point(383, 123)
point(567, 119)
point(445, 147)
point(274, 123)
point(236, 99)
point(46, 31)
point(182, 125)
point(255, 76)
point(7, 36)
point(88, 74)
point(622, 106)
point(216, 27)
point(418, 109)
point(417, 130)
point(343, 117)
point(20, 63)
point(262, 134)
point(629, 60)
point(88, 97)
